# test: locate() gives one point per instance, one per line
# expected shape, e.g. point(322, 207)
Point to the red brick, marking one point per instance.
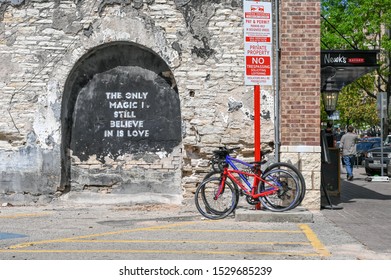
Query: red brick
point(300, 72)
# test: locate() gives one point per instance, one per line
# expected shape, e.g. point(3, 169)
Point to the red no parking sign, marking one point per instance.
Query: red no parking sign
point(258, 65)
point(258, 42)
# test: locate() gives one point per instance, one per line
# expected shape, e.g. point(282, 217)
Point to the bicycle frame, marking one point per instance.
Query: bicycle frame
point(248, 189)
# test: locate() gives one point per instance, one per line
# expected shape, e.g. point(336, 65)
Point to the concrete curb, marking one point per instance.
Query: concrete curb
point(297, 215)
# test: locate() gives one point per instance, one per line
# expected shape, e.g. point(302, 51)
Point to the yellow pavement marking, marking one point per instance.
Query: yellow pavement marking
point(184, 241)
point(311, 240)
point(23, 215)
point(315, 242)
point(166, 252)
point(237, 230)
point(63, 240)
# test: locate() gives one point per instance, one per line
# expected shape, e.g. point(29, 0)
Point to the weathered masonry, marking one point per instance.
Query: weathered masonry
point(122, 101)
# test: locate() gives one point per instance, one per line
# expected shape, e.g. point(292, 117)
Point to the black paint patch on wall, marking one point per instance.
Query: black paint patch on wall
point(125, 110)
point(101, 59)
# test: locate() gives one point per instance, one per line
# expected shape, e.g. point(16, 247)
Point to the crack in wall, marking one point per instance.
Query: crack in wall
point(197, 14)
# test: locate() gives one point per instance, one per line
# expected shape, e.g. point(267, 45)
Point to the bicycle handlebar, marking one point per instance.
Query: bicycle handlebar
point(223, 151)
point(218, 159)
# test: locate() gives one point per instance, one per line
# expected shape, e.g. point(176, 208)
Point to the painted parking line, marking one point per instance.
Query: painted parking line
point(23, 215)
point(314, 240)
point(7, 235)
point(308, 244)
point(65, 240)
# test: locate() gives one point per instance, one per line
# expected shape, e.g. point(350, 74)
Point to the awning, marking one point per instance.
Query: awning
point(342, 67)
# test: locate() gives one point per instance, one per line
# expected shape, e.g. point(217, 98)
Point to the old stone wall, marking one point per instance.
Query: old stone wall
point(201, 42)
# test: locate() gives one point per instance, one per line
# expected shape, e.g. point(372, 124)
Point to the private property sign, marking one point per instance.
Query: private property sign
point(258, 42)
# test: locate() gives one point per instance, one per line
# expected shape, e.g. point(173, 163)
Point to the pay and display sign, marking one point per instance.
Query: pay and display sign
point(258, 42)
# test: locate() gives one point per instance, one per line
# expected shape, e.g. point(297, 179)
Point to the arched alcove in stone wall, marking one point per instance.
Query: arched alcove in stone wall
point(121, 123)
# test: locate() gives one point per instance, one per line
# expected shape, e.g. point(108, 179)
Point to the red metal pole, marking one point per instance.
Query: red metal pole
point(257, 131)
point(257, 122)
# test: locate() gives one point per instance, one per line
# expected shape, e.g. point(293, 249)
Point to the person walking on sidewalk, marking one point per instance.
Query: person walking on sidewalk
point(348, 147)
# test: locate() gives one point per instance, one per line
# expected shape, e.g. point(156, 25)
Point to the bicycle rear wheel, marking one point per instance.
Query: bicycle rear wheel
point(286, 197)
point(295, 172)
point(213, 205)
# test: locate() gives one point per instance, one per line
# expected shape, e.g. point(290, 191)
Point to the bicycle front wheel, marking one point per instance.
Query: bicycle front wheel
point(212, 201)
point(219, 174)
point(288, 193)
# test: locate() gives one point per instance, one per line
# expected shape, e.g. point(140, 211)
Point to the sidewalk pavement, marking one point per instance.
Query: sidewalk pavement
point(366, 213)
point(362, 210)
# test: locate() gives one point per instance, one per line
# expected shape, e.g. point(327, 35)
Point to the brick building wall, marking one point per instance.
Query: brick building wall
point(300, 89)
point(201, 43)
point(300, 72)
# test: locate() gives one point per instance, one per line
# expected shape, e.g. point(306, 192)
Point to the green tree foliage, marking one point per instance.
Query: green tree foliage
point(357, 108)
point(364, 25)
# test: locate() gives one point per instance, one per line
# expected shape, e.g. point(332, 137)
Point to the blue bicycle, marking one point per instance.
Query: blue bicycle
point(280, 187)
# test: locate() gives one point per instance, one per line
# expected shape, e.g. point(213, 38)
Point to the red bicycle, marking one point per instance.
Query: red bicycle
point(277, 189)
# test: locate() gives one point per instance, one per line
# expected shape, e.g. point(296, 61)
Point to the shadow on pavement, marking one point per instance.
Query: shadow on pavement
point(365, 213)
point(351, 191)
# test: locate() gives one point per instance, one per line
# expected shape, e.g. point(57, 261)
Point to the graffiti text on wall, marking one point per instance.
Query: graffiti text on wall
point(124, 106)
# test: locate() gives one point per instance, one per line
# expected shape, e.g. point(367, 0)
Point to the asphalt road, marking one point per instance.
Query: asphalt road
point(177, 238)
point(65, 231)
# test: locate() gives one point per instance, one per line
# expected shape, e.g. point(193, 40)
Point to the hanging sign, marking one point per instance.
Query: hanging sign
point(258, 42)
